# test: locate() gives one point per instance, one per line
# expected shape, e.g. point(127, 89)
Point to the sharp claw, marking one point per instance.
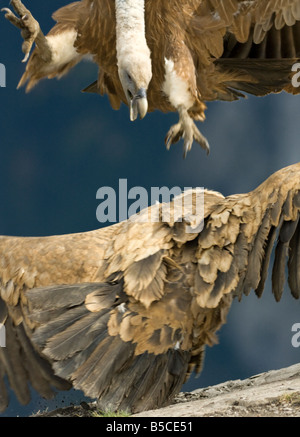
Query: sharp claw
point(201, 139)
point(168, 141)
point(10, 16)
point(189, 135)
point(207, 148)
point(204, 144)
point(187, 147)
point(25, 59)
point(30, 30)
point(170, 138)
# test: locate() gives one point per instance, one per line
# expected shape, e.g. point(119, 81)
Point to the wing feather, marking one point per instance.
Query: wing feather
point(233, 49)
point(275, 224)
point(148, 297)
point(294, 264)
point(107, 354)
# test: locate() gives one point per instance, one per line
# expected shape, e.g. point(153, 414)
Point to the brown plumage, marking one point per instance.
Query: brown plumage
point(124, 313)
point(201, 50)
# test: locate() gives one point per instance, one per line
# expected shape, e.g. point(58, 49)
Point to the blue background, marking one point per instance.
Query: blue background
point(58, 146)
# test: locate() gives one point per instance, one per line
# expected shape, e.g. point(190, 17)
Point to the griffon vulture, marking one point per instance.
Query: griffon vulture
point(169, 55)
point(124, 313)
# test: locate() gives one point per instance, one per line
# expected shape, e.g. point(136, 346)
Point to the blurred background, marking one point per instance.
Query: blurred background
point(58, 146)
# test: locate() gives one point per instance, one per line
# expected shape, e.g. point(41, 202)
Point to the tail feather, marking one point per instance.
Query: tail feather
point(79, 335)
point(68, 367)
point(40, 373)
point(101, 365)
point(21, 363)
point(55, 326)
point(12, 363)
point(147, 383)
point(110, 358)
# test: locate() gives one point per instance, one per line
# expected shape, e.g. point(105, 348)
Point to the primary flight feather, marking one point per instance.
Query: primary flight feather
point(169, 55)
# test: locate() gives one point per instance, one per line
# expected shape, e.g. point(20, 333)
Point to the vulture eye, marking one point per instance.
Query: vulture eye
point(129, 77)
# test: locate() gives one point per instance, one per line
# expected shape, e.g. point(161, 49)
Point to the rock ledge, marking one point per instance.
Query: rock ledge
point(273, 393)
point(269, 394)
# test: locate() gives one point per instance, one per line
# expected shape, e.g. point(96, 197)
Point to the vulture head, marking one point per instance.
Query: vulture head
point(133, 55)
point(135, 75)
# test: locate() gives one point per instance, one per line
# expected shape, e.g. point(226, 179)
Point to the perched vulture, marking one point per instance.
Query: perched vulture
point(124, 313)
point(169, 55)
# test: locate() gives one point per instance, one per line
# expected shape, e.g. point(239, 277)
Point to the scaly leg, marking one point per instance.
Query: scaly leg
point(30, 30)
point(186, 129)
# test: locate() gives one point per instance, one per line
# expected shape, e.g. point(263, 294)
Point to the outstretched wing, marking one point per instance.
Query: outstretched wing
point(127, 341)
point(26, 263)
point(131, 343)
point(93, 306)
point(253, 45)
point(234, 250)
point(132, 331)
point(62, 41)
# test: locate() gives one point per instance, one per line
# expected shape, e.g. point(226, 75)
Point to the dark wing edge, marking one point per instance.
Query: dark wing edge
point(280, 231)
point(241, 234)
point(22, 367)
point(253, 46)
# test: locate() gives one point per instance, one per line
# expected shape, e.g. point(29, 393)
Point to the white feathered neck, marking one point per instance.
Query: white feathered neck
point(130, 31)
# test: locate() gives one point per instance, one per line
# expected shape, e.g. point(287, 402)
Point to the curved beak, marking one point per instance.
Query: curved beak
point(138, 105)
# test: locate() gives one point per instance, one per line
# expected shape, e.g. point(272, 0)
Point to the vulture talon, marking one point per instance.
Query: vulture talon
point(186, 129)
point(174, 135)
point(30, 30)
point(200, 139)
point(186, 148)
point(10, 16)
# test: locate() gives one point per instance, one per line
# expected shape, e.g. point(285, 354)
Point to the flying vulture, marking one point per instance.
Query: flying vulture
point(125, 312)
point(169, 55)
